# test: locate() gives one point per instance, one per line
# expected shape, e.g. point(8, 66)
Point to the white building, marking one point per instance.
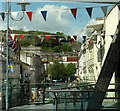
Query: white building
point(31, 55)
point(94, 50)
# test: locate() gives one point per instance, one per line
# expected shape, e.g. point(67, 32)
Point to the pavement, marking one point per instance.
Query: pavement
point(50, 107)
point(34, 107)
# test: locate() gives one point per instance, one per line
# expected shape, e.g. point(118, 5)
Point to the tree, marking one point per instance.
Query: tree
point(57, 49)
point(57, 70)
point(71, 69)
point(66, 47)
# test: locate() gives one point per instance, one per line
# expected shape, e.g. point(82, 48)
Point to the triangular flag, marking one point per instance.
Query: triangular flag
point(104, 9)
point(55, 40)
point(74, 12)
point(21, 36)
point(47, 36)
point(29, 36)
point(56, 37)
point(84, 37)
point(42, 39)
point(44, 13)
point(14, 15)
point(29, 15)
point(75, 37)
point(72, 40)
point(103, 36)
point(15, 36)
point(36, 38)
point(2, 15)
point(89, 10)
point(112, 36)
point(119, 7)
point(89, 42)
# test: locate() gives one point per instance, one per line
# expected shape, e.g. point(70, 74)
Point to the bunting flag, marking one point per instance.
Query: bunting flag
point(42, 39)
point(36, 38)
point(75, 37)
point(119, 7)
point(112, 36)
point(55, 40)
point(21, 36)
point(72, 40)
point(89, 42)
point(104, 9)
point(103, 36)
point(29, 15)
point(15, 37)
point(29, 36)
point(44, 14)
point(56, 37)
point(89, 11)
point(47, 37)
point(74, 12)
point(2, 15)
point(14, 14)
point(84, 37)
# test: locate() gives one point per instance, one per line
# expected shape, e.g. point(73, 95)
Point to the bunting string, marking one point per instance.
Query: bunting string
point(73, 11)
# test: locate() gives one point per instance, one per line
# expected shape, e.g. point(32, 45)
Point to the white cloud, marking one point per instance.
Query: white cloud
point(91, 22)
point(57, 20)
point(82, 31)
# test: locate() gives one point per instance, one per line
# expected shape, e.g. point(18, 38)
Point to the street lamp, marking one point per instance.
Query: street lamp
point(23, 5)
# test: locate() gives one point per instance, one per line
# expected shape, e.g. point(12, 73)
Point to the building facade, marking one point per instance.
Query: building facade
point(94, 49)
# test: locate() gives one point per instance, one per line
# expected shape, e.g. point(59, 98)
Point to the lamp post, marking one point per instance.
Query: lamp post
point(23, 5)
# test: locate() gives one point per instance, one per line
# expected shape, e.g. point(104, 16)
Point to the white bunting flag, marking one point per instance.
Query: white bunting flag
point(14, 15)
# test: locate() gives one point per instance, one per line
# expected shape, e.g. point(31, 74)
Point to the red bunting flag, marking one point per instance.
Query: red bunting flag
point(47, 36)
point(36, 38)
point(15, 36)
point(74, 12)
point(29, 15)
point(89, 42)
point(72, 40)
point(75, 37)
point(55, 40)
point(21, 36)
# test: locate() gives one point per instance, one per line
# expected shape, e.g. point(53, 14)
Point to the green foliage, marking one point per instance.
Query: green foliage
point(57, 49)
point(62, 48)
point(27, 41)
point(58, 70)
point(66, 47)
point(71, 69)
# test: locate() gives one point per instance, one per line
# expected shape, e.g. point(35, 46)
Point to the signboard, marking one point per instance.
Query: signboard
point(10, 67)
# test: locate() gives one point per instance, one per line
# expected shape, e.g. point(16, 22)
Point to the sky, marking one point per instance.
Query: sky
point(59, 17)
